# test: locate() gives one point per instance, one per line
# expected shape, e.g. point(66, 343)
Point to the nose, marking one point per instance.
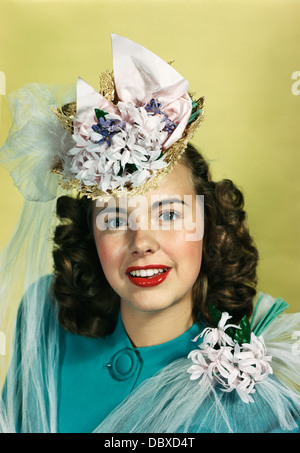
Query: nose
point(143, 242)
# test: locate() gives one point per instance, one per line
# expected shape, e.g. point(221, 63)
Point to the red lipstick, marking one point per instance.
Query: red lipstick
point(146, 279)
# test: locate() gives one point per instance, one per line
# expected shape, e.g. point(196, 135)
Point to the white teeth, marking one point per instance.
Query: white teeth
point(146, 272)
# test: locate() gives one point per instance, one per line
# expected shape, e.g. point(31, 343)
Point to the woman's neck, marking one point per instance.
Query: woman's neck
point(152, 328)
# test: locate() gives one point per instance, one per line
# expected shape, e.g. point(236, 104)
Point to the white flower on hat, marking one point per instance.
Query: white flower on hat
point(120, 149)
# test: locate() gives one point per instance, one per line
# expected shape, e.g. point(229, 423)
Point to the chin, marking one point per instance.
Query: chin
point(145, 307)
point(149, 303)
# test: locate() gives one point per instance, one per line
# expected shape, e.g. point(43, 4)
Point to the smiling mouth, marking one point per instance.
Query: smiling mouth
point(147, 276)
point(148, 273)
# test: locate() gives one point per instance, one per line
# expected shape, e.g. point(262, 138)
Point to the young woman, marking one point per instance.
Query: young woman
point(130, 331)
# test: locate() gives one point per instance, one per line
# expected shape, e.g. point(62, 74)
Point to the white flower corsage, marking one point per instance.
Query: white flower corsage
point(230, 355)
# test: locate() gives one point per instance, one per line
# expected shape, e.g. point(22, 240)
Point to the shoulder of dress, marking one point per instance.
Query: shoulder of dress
point(40, 289)
point(38, 300)
point(42, 284)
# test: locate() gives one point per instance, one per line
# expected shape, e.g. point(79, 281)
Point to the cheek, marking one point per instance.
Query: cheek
point(186, 254)
point(192, 262)
point(192, 258)
point(108, 254)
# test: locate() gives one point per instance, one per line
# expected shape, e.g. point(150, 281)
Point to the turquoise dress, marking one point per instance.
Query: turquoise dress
point(98, 374)
point(66, 383)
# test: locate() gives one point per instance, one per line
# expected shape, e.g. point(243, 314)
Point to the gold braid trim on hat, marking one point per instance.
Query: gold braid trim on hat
point(66, 115)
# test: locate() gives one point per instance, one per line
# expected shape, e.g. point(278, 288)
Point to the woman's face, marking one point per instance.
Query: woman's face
point(146, 254)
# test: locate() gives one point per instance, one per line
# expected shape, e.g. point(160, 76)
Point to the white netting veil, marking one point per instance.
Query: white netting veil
point(35, 139)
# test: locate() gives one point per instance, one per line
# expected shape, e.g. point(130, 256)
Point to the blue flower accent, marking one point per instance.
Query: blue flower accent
point(153, 107)
point(170, 125)
point(107, 129)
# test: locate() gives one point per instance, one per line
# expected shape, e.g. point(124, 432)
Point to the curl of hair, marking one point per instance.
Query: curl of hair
point(227, 278)
point(87, 304)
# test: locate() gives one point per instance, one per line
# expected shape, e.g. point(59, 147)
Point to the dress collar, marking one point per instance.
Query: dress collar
point(162, 354)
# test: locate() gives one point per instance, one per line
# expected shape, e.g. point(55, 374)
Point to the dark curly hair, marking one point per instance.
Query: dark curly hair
point(87, 303)
point(227, 278)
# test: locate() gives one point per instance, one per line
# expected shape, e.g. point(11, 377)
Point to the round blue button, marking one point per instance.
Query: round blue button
point(124, 364)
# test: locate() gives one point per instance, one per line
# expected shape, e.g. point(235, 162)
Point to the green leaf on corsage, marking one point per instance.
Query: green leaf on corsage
point(243, 334)
point(214, 314)
point(238, 335)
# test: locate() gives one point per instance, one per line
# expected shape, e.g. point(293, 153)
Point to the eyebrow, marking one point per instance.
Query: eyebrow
point(159, 203)
point(155, 205)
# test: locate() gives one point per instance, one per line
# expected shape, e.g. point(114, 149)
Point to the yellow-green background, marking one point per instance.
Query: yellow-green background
point(240, 54)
